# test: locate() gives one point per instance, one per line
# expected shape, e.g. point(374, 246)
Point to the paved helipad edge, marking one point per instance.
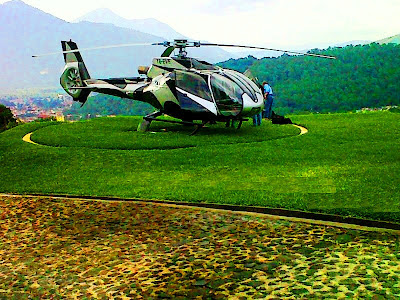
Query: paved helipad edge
point(303, 130)
point(27, 138)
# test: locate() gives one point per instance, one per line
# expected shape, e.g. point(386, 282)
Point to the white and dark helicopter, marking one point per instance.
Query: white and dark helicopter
point(182, 87)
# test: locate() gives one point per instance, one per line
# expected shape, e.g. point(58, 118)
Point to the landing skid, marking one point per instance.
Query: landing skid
point(233, 123)
point(145, 124)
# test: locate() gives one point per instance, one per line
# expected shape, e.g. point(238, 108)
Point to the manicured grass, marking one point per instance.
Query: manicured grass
point(347, 163)
point(120, 134)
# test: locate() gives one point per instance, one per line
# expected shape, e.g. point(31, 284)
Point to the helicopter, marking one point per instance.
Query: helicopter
point(182, 87)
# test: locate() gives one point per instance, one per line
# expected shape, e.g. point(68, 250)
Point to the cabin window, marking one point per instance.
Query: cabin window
point(193, 84)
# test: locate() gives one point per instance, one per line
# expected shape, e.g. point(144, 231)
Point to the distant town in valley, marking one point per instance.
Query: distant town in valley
point(35, 105)
point(27, 109)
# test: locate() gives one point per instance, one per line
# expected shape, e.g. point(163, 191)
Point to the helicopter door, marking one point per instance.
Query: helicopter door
point(227, 95)
point(194, 94)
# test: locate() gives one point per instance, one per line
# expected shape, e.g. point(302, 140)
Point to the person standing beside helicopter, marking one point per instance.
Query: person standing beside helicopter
point(268, 100)
point(257, 118)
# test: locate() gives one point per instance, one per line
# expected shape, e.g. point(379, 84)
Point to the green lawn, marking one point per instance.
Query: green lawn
point(347, 163)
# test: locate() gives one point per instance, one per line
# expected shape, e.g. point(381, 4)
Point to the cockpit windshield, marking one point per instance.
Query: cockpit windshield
point(245, 78)
point(227, 95)
point(248, 85)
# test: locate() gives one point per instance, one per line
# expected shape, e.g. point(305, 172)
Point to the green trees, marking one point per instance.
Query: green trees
point(241, 64)
point(361, 76)
point(7, 119)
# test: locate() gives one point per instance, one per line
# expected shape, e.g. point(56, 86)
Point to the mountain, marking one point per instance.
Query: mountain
point(354, 43)
point(26, 30)
point(390, 40)
point(150, 26)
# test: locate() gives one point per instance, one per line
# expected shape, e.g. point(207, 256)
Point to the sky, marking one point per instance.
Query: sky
point(289, 24)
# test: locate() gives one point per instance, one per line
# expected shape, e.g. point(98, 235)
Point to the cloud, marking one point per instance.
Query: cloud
point(223, 7)
point(289, 24)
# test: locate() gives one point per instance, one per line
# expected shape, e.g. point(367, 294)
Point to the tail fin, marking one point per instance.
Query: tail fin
point(74, 74)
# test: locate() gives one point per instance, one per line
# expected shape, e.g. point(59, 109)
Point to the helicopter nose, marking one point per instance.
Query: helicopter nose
point(249, 101)
point(260, 98)
point(250, 105)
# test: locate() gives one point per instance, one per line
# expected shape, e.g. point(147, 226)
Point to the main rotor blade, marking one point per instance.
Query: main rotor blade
point(100, 47)
point(263, 48)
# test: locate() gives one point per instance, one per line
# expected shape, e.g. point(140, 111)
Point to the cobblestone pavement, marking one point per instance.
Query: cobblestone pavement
point(76, 249)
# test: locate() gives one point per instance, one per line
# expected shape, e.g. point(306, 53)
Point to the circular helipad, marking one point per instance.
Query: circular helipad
point(121, 134)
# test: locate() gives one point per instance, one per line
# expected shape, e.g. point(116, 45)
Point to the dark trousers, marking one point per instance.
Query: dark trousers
point(257, 119)
point(267, 113)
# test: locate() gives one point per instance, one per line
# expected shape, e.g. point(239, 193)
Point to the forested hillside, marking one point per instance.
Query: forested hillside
point(361, 76)
point(240, 64)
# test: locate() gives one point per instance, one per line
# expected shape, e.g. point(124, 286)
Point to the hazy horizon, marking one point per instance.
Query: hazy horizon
point(295, 24)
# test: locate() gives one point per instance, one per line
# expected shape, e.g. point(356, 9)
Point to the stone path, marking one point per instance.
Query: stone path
point(72, 249)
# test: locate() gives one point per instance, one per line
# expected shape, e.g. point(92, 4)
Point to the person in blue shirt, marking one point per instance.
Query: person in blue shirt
point(258, 117)
point(268, 100)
